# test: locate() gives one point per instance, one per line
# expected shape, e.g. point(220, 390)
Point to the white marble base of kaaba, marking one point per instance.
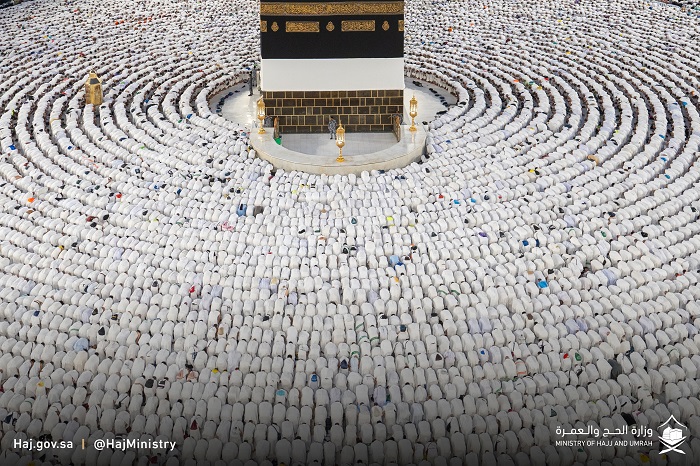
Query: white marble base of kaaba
point(321, 154)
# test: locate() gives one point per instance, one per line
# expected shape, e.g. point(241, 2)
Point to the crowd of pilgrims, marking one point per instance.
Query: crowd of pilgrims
point(536, 272)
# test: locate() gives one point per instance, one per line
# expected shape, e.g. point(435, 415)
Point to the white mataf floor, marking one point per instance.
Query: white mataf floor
point(369, 152)
point(236, 105)
point(355, 143)
point(429, 103)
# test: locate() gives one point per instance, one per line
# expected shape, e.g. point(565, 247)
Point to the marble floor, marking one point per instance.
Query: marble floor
point(313, 153)
point(238, 107)
point(355, 143)
point(429, 103)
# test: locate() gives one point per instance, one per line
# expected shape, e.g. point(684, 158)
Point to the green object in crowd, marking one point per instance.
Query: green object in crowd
point(278, 141)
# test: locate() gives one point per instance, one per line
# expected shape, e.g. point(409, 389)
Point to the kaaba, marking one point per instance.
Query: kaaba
point(340, 59)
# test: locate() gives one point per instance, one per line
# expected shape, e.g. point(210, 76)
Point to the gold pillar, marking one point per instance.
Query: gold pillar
point(340, 141)
point(261, 114)
point(413, 113)
point(93, 89)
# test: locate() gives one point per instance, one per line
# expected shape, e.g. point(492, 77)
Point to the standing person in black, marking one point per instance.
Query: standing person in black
point(253, 78)
point(332, 126)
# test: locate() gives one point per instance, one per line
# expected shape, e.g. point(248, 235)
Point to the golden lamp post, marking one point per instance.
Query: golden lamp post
point(261, 115)
point(340, 142)
point(413, 112)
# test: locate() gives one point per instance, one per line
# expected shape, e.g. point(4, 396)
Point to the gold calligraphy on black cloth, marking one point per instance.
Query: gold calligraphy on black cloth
point(331, 9)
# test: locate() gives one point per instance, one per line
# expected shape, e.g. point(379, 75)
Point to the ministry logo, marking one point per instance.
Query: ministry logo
point(672, 436)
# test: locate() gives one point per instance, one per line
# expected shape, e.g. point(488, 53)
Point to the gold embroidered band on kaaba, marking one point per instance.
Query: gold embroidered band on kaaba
point(301, 26)
point(329, 9)
point(365, 25)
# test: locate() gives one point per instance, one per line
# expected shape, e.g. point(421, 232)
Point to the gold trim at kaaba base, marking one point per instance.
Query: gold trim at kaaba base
point(274, 27)
point(330, 26)
point(263, 26)
point(330, 9)
point(302, 26)
point(362, 25)
point(400, 25)
point(385, 26)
